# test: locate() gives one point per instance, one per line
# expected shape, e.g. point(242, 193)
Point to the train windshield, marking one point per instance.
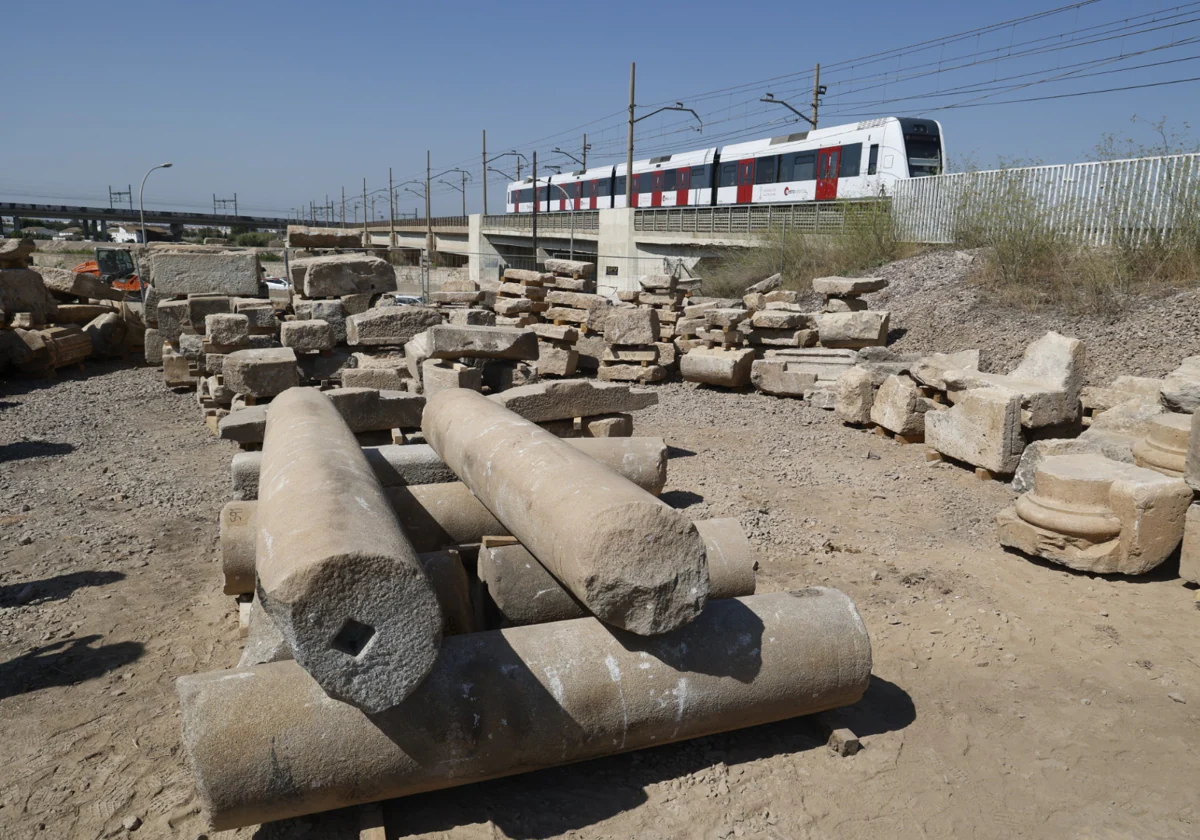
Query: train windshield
point(924, 154)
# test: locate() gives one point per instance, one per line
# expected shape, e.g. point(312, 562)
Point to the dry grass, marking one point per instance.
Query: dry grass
point(1028, 264)
point(868, 242)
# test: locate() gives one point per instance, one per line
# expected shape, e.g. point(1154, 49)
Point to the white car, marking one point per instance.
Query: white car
point(278, 284)
point(397, 299)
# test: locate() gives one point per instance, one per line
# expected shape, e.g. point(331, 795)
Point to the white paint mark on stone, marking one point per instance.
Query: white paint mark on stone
point(614, 669)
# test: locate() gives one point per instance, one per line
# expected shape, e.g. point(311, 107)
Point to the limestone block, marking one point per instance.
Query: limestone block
point(781, 338)
point(1089, 513)
point(631, 373)
point(766, 285)
point(1189, 553)
point(152, 346)
point(334, 275)
point(1181, 387)
point(1131, 417)
point(855, 395)
point(725, 318)
point(771, 376)
point(321, 367)
point(191, 346)
point(471, 317)
point(844, 304)
point(22, 290)
point(511, 307)
point(107, 334)
point(983, 429)
point(227, 330)
point(180, 273)
point(499, 375)
point(379, 378)
point(556, 358)
point(570, 398)
point(261, 373)
point(172, 318)
point(259, 315)
point(176, 371)
point(716, 366)
point(788, 298)
point(931, 370)
point(199, 307)
point(67, 283)
point(16, 252)
point(1144, 385)
point(631, 326)
point(332, 312)
point(447, 341)
point(390, 326)
point(312, 336)
point(571, 268)
point(754, 301)
point(853, 329)
point(848, 286)
point(900, 408)
point(438, 375)
point(1049, 381)
point(780, 319)
point(667, 354)
point(607, 426)
point(827, 363)
point(1165, 446)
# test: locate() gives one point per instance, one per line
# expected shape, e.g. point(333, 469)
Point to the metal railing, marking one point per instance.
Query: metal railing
point(1090, 203)
point(585, 221)
point(409, 224)
point(821, 217)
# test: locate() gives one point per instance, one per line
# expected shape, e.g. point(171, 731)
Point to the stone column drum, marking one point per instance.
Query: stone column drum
point(334, 570)
point(633, 561)
point(516, 700)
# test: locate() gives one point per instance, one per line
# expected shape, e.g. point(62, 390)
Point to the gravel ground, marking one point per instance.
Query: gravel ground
point(1009, 698)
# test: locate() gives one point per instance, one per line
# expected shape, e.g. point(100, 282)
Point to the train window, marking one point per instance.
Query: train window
point(873, 159)
point(765, 171)
point(851, 161)
point(924, 155)
point(728, 175)
point(803, 167)
point(619, 185)
point(668, 179)
point(700, 177)
point(603, 187)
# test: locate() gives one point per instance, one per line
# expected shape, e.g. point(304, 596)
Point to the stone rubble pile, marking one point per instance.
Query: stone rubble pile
point(429, 615)
point(52, 318)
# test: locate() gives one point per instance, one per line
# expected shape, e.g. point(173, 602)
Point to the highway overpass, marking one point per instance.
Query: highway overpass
point(104, 215)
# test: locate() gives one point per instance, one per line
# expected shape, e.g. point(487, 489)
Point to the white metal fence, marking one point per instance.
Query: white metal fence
point(1091, 203)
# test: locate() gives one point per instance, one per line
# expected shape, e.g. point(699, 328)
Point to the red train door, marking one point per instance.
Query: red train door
point(745, 181)
point(828, 162)
point(656, 186)
point(595, 188)
point(683, 183)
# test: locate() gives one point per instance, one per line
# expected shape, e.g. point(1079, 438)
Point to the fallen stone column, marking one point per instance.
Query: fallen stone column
point(632, 560)
point(445, 570)
point(643, 460)
point(550, 694)
point(436, 515)
point(525, 593)
point(334, 570)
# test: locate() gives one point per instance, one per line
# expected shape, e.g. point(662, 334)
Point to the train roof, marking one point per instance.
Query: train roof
point(691, 158)
point(817, 137)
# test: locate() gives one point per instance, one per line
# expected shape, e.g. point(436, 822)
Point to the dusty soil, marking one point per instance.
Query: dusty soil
point(1010, 698)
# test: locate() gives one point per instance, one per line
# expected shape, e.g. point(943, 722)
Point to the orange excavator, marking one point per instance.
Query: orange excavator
point(115, 267)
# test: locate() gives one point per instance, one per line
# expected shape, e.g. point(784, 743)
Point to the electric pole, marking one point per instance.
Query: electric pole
point(343, 206)
point(366, 233)
point(536, 199)
point(629, 148)
point(391, 211)
point(585, 151)
point(816, 93)
point(485, 172)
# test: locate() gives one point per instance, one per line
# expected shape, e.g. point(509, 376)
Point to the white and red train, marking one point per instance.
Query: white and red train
point(845, 161)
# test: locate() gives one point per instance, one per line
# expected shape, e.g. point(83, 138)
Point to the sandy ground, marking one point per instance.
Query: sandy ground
point(1010, 698)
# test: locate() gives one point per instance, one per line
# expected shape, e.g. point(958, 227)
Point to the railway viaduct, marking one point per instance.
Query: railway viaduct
point(624, 243)
point(97, 218)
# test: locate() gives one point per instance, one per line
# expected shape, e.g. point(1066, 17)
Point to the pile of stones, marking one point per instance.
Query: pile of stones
point(51, 318)
point(488, 603)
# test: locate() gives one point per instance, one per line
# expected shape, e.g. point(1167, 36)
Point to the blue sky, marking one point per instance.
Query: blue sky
point(284, 103)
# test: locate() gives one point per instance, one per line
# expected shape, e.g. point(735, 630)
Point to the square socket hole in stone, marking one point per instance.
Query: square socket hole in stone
point(353, 638)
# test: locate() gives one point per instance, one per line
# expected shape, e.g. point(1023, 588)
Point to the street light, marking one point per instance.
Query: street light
point(142, 203)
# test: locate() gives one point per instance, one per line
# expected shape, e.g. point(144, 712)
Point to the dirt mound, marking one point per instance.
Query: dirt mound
point(936, 307)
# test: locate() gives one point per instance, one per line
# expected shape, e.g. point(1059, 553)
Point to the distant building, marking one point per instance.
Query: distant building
point(133, 233)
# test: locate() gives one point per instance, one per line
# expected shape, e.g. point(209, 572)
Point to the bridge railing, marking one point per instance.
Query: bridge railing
point(1091, 203)
point(585, 221)
point(436, 221)
point(823, 217)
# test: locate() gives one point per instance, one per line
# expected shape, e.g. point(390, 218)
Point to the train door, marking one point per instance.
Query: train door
point(593, 188)
point(828, 162)
point(683, 185)
point(656, 188)
point(745, 181)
